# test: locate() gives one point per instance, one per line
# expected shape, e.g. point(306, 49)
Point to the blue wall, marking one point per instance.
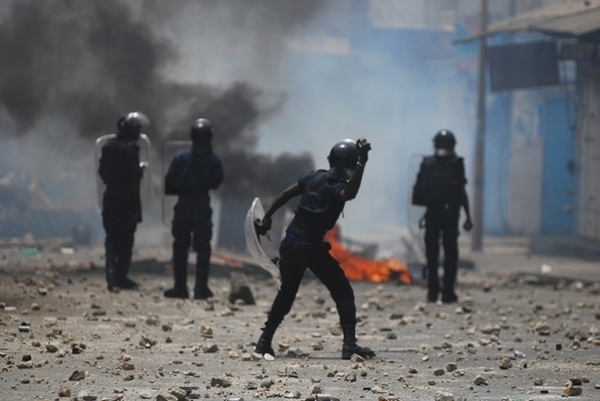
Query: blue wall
point(559, 181)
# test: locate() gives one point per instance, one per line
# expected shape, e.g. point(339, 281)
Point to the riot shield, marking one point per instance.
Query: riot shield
point(255, 213)
point(170, 149)
point(414, 212)
point(145, 185)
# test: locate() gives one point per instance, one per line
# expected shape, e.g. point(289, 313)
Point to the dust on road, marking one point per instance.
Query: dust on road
point(64, 336)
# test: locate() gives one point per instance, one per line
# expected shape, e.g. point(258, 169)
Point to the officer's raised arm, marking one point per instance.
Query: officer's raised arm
point(351, 190)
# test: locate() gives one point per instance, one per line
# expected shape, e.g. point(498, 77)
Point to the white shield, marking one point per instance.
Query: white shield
point(256, 213)
point(145, 185)
point(415, 212)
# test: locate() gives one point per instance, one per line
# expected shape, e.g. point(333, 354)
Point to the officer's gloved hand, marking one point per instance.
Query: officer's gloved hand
point(363, 147)
point(468, 225)
point(262, 226)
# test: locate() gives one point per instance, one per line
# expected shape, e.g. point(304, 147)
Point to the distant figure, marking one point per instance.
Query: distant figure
point(192, 174)
point(323, 194)
point(121, 172)
point(440, 187)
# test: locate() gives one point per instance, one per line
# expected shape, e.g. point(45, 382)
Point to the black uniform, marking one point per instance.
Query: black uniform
point(121, 206)
point(191, 175)
point(323, 194)
point(440, 187)
point(303, 247)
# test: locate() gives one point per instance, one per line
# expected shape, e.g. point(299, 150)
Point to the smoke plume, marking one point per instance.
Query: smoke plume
point(90, 62)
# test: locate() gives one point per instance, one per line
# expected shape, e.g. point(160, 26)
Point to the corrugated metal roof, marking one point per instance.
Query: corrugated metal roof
point(569, 18)
point(574, 25)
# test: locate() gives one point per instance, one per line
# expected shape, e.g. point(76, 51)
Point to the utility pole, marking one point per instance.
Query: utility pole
point(477, 236)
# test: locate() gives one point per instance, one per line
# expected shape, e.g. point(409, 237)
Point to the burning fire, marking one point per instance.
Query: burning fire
point(358, 268)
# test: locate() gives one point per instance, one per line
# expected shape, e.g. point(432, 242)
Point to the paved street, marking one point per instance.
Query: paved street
point(516, 334)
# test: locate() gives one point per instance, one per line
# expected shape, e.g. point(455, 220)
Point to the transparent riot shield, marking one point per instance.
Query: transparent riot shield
point(145, 185)
point(414, 212)
point(170, 149)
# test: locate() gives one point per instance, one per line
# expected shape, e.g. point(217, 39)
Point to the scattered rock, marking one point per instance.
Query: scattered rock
point(64, 391)
point(84, 395)
point(210, 348)
point(451, 367)
point(164, 396)
point(240, 290)
point(571, 391)
point(77, 375)
point(443, 396)
point(505, 363)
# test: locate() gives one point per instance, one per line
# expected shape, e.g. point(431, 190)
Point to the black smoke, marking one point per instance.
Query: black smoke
point(88, 62)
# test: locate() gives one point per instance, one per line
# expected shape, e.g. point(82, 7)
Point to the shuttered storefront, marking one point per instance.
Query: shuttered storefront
point(588, 143)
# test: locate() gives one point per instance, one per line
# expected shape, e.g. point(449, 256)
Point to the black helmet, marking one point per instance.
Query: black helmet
point(120, 122)
point(343, 154)
point(130, 124)
point(201, 131)
point(444, 142)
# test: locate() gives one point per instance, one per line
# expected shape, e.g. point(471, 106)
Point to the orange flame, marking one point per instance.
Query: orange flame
point(358, 268)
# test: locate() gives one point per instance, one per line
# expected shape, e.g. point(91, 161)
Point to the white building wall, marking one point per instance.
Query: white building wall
point(525, 166)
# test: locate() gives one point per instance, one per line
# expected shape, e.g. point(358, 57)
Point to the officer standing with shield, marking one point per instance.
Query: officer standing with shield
point(192, 173)
point(121, 171)
point(440, 187)
point(323, 194)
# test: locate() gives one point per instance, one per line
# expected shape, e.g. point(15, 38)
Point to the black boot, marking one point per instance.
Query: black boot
point(263, 346)
point(123, 265)
point(180, 276)
point(177, 293)
point(433, 283)
point(201, 290)
point(111, 269)
point(448, 294)
point(350, 346)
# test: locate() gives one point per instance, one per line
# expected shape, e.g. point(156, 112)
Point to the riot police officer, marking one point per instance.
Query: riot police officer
point(323, 194)
point(121, 171)
point(440, 187)
point(191, 175)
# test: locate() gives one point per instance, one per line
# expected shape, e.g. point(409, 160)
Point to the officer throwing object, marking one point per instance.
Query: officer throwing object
point(323, 194)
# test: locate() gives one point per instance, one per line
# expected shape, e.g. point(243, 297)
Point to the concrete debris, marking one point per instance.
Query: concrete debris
point(443, 396)
point(505, 363)
point(210, 348)
point(572, 391)
point(77, 375)
point(137, 345)
point(165, 397)
point(451, 367)
point(146, 341)
point(267, 383)
point(240, 290)
point(64, 391)
point(85, 395)
point(350, 377)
